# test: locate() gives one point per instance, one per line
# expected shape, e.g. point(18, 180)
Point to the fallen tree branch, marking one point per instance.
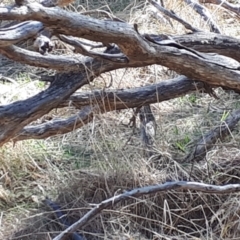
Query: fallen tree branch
point(118, 57)
point(81, 26)
point(202, 11)
point(56, 62)
point(138, 192)
point(19, 32)
point(131, 43)
point(129, 98)
point(205, 143)
point(110, 100)
point(15, 116)
point(211, 43)
point(214, 69)
point(173, 15)
point(225, 4)
point(57, 126)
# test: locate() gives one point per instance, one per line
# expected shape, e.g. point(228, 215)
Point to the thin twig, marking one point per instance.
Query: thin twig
point(138, 192)
point(173, 15)
point(225, 4)
point(104, 13)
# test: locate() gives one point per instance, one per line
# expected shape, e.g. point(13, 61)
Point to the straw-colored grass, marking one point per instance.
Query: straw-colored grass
point(104, 158)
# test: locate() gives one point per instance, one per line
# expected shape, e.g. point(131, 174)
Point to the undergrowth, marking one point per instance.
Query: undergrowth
point(105, 158)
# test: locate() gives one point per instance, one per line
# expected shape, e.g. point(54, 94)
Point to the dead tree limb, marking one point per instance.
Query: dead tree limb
point(205, 143)
point(202, 11)
point(138, 192)
point(79, 48)
point(19, 32)
point(213, 69)
point(58, 126)
point(174, 16)
point(108, 100)
point(211, 43)
point(59, 63)
point(225, 4)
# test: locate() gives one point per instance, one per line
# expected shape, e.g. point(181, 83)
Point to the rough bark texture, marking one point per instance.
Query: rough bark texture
point(210, 58)
point(109, 100)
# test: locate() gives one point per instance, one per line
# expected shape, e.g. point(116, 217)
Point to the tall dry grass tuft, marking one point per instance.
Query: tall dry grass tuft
point(181, 214)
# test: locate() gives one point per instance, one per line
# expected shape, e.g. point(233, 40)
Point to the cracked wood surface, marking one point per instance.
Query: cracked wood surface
point(196, 56)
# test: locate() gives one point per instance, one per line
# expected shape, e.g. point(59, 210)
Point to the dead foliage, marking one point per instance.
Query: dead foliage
point(172, 215)
point(177, 213)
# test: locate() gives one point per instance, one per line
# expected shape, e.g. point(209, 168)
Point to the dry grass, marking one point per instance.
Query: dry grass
point(105, 158)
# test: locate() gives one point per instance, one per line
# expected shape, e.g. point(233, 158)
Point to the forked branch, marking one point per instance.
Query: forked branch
point(108, 100)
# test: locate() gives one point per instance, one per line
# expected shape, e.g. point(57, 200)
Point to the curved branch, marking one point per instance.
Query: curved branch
point(81, 26)
point(56, 62)
point(138, 192)
point(211, 43)
point(205, 14)
point(18, 32)
point(79, 48)
point(211, 68)
point(105, 101)
point(141, 52)
point(15, 116)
